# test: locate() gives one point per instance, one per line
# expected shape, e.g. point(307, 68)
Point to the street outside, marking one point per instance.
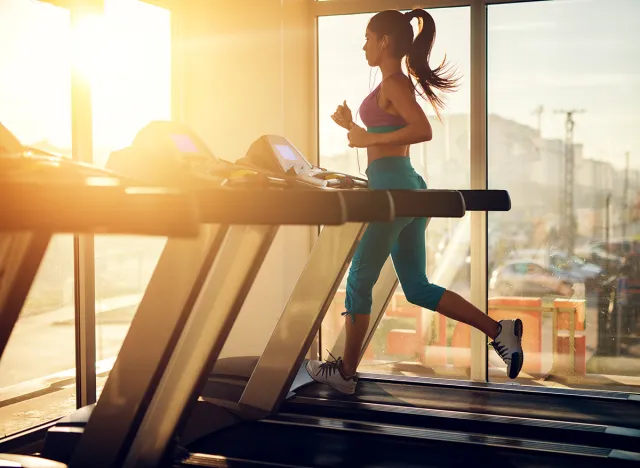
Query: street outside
point(37, 371)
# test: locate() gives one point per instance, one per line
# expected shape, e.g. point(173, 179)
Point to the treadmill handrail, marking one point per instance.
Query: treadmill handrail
point(428, 203)
point(96, 206)
point(270, 206)
point(486, 200)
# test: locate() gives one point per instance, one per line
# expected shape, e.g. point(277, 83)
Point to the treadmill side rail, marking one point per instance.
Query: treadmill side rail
point(154, 328)
point(302, 317)
point(199, 344)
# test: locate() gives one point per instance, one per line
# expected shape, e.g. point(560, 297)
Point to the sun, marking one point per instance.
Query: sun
point(125, 54)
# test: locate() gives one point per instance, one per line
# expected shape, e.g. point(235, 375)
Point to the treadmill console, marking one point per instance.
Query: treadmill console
point(165, 152)
point(277, 154)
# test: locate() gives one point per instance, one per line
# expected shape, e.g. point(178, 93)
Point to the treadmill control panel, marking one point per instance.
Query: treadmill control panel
point(166, 152)
point(276, 153)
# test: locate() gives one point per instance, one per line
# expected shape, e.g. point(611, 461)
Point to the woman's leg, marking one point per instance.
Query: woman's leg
point(409, 259)
point(370, 256)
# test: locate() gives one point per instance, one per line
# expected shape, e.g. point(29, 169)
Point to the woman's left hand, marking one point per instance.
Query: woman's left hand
point(359, 137)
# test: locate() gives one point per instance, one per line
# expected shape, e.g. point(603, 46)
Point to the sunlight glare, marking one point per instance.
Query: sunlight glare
point(88, 40)
point(126, 55)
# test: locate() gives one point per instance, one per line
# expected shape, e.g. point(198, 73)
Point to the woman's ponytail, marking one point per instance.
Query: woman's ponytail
point(441, 78)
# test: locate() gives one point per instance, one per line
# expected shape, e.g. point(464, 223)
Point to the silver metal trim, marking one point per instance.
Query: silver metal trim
point(478, 130)
point(613, 396)
point(85, 319)
point(83, 246)
point(350, 7)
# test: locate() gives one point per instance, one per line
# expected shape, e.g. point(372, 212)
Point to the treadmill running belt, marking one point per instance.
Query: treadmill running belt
point(542, 406)
point(291, 440)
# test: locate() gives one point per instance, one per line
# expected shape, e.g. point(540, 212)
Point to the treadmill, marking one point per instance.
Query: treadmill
point(155, 151)
point(606, 420)
point(215, 273)
point(43, 195)
point(221, 427)
point(243, 401)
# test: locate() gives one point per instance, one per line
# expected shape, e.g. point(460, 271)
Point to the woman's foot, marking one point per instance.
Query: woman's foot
point(508, 344)
point(330, 373)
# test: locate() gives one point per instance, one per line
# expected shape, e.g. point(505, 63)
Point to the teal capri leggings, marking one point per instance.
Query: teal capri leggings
point(402, 238)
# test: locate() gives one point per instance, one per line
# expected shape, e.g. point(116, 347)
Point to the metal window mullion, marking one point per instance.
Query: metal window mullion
point(350, 7)
point(497, 2)
point(83, 245)
point(314, 351)
point(478, 155)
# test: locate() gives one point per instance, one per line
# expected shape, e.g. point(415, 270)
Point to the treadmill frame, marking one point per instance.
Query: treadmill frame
point(20, 258)
point(189, 275)
point(195, 353)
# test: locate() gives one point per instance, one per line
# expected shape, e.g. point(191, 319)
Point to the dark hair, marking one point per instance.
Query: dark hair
point(397, 26)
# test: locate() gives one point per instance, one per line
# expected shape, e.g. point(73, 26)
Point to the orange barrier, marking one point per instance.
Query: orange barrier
point(579, 352)
point(564, 314)
point(403, 341)
point(564, 330)
point(410, 341)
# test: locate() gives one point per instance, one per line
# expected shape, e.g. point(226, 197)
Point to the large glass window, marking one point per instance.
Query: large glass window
point(129, 67)
point(37, 370)
point(409, 339)
point(563, 95)
point(131, 87)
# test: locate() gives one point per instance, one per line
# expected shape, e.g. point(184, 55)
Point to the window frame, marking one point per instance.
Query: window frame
point(478, 135)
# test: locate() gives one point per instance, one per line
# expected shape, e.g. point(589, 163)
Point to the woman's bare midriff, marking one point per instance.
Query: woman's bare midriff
point(379, 152)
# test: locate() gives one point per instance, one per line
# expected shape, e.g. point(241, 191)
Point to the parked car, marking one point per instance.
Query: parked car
point(529, 278)
point(575, 265)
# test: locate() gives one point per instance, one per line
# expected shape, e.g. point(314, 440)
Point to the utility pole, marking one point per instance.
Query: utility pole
point(538, 111)
point(625, 201)
point(568, 219)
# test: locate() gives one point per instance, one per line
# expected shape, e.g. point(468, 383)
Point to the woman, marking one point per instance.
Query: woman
point(394, 121)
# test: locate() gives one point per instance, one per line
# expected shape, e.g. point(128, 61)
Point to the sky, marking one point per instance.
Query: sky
point(571, 54)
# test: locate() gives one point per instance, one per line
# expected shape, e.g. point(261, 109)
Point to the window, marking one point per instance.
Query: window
point(130, 77)
point(131, 87)
point(562, 100)
point(37, 376)
point(423, 341)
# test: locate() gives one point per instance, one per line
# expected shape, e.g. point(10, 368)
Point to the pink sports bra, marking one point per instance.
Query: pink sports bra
point(373, 116)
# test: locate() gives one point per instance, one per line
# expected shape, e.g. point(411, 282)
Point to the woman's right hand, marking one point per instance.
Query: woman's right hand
point(342, 116)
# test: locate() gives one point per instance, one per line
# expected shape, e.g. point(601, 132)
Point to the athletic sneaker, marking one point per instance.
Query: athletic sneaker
point(329, 373)
point(508, 344)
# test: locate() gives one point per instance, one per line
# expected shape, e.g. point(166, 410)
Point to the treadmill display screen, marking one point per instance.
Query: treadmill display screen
point(286, 155)
point(184, 143)
point(287, 152)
